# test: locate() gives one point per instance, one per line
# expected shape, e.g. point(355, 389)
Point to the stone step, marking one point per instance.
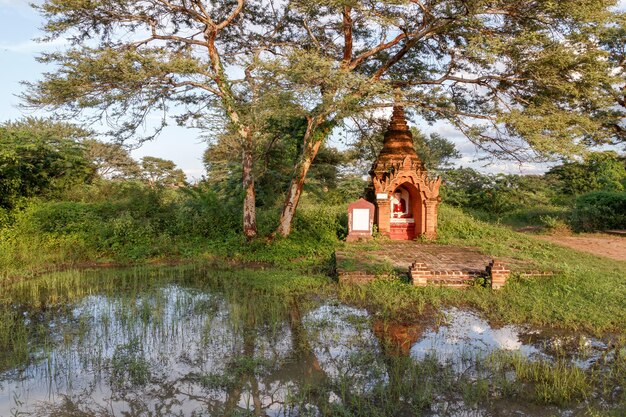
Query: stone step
point(422, 275)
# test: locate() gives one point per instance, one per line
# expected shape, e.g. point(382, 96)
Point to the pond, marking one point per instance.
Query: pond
point(199, 342)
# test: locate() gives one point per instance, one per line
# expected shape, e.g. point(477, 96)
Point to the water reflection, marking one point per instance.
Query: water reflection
point(465, 335)
point(189, 350)
point(181, 350)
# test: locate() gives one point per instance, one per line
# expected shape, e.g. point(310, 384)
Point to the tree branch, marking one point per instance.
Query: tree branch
point(232, 16)
point(347, 35)
point(380, 47)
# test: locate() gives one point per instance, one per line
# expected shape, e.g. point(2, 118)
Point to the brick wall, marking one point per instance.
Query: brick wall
point(422, 275)
point(499, 273)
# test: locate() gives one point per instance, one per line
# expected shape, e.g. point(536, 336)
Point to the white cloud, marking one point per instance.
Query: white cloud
point(194, 175)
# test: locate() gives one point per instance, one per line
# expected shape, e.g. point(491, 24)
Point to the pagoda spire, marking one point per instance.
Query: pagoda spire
point(398, 143)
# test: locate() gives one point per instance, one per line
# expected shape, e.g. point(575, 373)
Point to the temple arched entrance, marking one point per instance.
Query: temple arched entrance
point(406, 212)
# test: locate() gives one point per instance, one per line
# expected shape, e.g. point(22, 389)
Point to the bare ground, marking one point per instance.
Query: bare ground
point(600, 244)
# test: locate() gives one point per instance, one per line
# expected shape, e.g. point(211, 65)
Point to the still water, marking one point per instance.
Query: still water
point(204, 347)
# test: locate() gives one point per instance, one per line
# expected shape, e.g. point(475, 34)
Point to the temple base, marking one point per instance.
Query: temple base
point(402, 231)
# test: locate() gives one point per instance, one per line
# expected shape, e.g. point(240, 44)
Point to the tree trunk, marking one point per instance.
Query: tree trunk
point(312, 141)
point(295, 188)
point(245, 133)
point(249, 202)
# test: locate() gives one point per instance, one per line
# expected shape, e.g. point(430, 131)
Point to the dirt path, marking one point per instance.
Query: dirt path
point(609, 246)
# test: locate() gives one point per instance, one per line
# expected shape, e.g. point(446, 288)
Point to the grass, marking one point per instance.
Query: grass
point(587, 294)
point(129, 226)
point(559, 383)
point(264, 297)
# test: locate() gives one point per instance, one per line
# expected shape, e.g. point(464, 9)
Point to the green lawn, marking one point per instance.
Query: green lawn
point(588, 293)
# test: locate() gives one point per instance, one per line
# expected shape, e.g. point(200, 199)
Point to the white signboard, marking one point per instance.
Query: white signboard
point(382, 196)
point(361, 219)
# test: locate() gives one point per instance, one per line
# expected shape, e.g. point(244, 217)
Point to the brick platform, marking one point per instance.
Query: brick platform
point(425, 264)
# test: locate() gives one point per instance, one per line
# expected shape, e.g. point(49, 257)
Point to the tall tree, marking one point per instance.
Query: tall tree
point(38, 156)
point(521, 79)
point(613, 39)
point(275, 156)
point(158, 172)
point(111, 160)
point(177, 58)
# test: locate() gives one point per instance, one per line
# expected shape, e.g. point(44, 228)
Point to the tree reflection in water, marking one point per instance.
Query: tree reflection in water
point(204, 348)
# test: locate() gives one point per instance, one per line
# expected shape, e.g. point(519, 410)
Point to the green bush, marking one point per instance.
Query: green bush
point(547, 216)
point(129, 222)
point(494, 194)
point(5, 217)
point(40, 157)
point(599, 210)
point(123, 222)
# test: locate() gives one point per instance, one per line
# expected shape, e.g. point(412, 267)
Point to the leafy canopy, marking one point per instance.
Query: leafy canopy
point(158, 172)
point(39, 156)
point(111, 160)
point(598, 171)
point(521, 79)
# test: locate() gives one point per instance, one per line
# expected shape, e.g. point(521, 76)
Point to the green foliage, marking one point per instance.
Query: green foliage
point(599, 171)
point(495, 194)
point(111, 160)
point(349, 188)
point(554, 92)
point(546, 201)
point(129, 222)
point(435, 151)
point(600, 210)
point(40, 157)
point(276, 154)
point(158, 172)
point(122, 221)
point(544, 75)
point(311, 244)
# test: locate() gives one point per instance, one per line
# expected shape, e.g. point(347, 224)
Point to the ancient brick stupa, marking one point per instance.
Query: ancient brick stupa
point(406, 198)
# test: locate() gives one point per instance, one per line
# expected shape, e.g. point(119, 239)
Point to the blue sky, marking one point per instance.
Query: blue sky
point(19, 25)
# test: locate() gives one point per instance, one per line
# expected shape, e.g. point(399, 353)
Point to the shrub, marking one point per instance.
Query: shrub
point(40, 157)
point(130, 223)
point(599, 210)
point(4, 217)
point(495, 194)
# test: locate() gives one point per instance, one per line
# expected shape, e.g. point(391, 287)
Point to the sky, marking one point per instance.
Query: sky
point(20, 25)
